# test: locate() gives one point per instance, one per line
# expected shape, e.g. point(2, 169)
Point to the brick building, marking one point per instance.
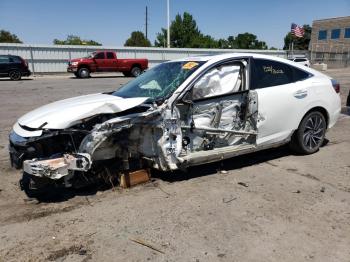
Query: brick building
point(330, 40)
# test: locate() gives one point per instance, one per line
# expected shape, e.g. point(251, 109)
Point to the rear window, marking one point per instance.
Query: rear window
point(15, 59)
point(110, 55)
point(4, 59)
point(267, 73)
point(300, 60)
point(299, 75)
point(100, 55)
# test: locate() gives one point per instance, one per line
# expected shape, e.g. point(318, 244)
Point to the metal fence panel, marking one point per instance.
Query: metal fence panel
point(54, 58)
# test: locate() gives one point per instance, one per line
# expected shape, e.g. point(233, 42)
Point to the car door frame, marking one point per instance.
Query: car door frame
point(190, 86)
point(100, 62)
point(110, 63)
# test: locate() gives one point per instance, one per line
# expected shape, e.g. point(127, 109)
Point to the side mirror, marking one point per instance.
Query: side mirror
point(187, 98)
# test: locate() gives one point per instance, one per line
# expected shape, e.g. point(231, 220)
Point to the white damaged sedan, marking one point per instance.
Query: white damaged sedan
point(178, 114)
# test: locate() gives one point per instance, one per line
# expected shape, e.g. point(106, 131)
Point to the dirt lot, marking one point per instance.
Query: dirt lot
point(267, 206)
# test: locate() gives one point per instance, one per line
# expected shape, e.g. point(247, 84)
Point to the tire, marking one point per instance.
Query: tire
point(84, 72)
point(76, 75)
point(15, 75)
point(135, 71)
point(127, 74)
point(34, 187)
point(310, 134)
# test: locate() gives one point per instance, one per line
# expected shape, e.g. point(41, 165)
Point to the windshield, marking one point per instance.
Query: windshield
point(160, 81)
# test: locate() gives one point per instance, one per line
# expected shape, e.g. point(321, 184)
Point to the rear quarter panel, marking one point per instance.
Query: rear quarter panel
point(322, 94)
point(127, 64)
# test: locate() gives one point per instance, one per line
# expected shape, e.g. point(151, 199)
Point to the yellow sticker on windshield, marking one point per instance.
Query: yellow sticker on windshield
point(189, 65)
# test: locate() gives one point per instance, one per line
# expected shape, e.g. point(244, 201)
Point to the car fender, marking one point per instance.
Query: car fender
point(309, 107)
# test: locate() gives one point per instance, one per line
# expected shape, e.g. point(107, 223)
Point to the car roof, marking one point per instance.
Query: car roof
point(10, 55)
point(217, 58)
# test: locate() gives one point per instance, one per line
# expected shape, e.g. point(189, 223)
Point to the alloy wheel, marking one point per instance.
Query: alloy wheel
point(15, 75)
point(314, 132)
point(136, 71)
point(84, 73)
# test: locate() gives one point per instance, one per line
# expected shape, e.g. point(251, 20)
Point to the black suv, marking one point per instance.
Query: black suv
point(13, 66)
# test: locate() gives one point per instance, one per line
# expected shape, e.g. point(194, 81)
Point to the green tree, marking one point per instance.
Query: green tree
point(231, 42)
point(161, 38)
point(223, 43)
point(7, 37)
point(300, 43)
point(248, 41)
point(204, 41)
point(75, 40)
point(137, 38)
point(184, 32)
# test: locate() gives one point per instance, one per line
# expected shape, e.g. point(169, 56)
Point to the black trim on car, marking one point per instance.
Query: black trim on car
point(219, 96)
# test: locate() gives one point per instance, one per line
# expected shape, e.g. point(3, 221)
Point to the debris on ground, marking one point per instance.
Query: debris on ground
point(323, 189)
point(141, 242)
point(134, 178)
point(225, 200)
point(243, 184)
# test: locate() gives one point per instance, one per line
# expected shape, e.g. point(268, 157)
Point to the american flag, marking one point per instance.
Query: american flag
point(296, 30)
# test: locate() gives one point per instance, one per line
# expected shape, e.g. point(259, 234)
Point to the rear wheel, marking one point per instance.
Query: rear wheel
point(84, 72)
point(15, 75)
point(136, 71)
point(310, 134)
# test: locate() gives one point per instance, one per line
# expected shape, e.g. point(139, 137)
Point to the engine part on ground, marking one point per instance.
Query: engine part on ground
point(129, 179)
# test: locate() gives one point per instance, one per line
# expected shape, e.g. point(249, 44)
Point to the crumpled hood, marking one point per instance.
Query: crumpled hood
point(68, 112)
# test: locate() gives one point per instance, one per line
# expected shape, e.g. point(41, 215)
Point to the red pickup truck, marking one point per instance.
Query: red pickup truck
point(106, 61)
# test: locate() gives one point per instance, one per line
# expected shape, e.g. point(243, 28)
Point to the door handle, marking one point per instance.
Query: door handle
point(300, 93)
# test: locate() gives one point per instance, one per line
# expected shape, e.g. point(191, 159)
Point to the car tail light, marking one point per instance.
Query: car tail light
point(24, 62)
point(336, 85)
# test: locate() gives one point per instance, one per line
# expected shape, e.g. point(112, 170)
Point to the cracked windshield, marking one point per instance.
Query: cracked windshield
point(160, 81)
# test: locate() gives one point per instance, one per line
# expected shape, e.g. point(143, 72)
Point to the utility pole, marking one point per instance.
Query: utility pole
point(146, 24)
point(168, 34)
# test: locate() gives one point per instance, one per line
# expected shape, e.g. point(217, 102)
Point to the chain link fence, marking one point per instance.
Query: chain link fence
point(335, 55)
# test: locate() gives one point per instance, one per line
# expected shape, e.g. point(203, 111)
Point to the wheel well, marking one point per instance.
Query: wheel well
point(83, 66)
point(136, 65)
point(321, 110)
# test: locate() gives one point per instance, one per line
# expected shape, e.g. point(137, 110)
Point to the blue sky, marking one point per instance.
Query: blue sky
point(111, 22)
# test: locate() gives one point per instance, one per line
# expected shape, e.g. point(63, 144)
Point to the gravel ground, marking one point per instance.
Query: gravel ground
point(267, 206)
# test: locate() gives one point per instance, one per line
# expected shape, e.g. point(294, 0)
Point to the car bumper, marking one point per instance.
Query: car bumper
point(26, 73)
point(19, 150)
point(72, 69)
